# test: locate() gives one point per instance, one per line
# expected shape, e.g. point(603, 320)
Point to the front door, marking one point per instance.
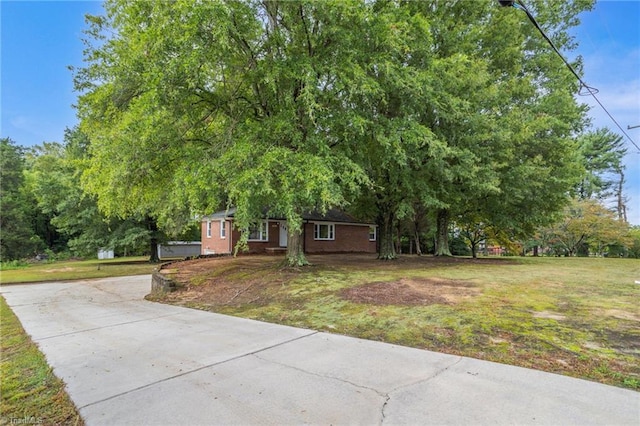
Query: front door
point(283, 234)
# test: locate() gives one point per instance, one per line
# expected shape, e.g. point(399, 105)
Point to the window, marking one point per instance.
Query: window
point(208, 229)
point(259, 232)
point(323, 231)
point(223, 229)
point(372, 233)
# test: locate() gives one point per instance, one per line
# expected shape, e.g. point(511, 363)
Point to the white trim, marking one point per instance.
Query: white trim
point(208, 229)
point(223, 229)
point(331, 231)
point(322, 222)
point(263, 232)
point(283, 234)
point(375, 233)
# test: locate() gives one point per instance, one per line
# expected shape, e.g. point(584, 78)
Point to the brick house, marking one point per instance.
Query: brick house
point(333, 232)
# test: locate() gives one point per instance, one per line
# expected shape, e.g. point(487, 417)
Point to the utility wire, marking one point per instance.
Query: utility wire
point(589, 90)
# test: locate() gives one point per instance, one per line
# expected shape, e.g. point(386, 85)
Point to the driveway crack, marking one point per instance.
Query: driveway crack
point(325, 376)
point(431, 377)
point(204, 367)
point(406, 385)
point(383, 395)
point(383, 416)
point(84, 330)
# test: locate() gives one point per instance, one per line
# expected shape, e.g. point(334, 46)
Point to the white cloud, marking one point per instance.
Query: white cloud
point(616, 75)
point(615, 72)
point(20, 122)
point(25, 129)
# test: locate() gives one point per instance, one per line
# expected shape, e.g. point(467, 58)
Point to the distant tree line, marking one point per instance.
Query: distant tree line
point(44, 211)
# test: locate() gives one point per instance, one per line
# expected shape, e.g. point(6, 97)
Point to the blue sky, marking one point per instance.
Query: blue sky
point(40, 39)
point(609, 38)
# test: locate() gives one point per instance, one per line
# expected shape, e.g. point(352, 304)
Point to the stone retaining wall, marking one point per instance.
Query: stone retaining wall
point(161, 283)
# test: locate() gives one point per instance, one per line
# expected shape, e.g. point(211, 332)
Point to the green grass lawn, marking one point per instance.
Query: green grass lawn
point(77, 269)
point(30, 392)
point(574, 316)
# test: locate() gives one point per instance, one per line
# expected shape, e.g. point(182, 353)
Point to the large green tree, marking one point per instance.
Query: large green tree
point(18, 215)
point(53, 178)
point(602, 153)
point(511, 138)
point(193, 107)
point(587, 225)
point(284, 107)
point(385, 88)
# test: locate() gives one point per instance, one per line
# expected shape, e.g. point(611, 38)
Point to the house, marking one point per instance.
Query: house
point(332, 232)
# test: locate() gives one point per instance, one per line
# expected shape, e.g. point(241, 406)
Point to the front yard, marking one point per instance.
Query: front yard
point(573, 316)
point(76, 270)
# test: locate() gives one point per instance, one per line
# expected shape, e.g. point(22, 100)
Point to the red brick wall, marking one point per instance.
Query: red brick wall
point(348, 238)
point(260, 246)
point(214, 244)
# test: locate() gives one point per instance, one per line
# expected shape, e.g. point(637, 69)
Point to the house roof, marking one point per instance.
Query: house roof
point(331, 215)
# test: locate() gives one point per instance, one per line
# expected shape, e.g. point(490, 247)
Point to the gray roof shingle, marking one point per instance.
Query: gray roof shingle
point(331, 215)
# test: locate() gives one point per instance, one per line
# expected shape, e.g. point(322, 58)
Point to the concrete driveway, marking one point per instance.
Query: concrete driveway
point(127, 361)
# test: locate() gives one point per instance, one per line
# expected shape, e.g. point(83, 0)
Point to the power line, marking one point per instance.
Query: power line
point(518, 4)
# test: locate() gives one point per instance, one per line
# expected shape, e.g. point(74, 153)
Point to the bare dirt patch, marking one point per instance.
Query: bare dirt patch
point(66, 269)
point(224, 281)
point(549, 315)
point(620, 314)
point(625, 342)
point(255, 279)
point(411, 291)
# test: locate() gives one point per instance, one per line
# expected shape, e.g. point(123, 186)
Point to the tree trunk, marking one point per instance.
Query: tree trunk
point(442, 233)
point(152, 226)
point(622, 207)
point(416, 238)
point(387, 234)
point(474, 249)
point(418, 218)
point(295, 248)
point(153, 246)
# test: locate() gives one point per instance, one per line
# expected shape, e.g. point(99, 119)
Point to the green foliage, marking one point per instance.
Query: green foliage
point(225, 107)
point(53, 178)
point(298, 106)
point(13, 264)
point(459, 247)
point(501, 116)
point(602, 152)
point(50, 177)
point(586, 226)
point(18, 238)
point(634, 246)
